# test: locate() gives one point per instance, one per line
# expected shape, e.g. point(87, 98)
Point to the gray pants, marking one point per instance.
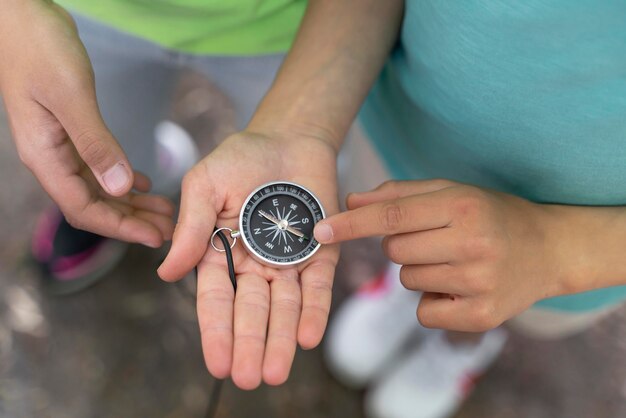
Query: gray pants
point(135, 79)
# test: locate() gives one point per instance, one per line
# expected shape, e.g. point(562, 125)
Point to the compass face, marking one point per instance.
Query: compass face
point(277, 221)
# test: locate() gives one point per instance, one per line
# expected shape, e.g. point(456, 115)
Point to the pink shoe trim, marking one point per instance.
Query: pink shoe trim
point(66, 268)
point(469, 382)
point(374, 287)
point(43, 237)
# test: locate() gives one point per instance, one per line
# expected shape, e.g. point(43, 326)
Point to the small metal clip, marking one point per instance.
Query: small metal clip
point(233, 234)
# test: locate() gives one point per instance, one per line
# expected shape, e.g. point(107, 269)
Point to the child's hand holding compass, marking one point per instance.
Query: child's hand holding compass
point(269, 193)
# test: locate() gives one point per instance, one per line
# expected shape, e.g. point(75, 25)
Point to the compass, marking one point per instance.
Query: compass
point(276, 223)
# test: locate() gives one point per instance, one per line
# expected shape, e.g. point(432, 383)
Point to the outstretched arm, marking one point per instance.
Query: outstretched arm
point(293, 136)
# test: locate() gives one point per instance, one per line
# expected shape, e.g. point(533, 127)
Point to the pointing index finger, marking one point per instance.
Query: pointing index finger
point(408, 214)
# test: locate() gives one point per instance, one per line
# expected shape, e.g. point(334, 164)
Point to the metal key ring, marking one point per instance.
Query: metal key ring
point(230, 234)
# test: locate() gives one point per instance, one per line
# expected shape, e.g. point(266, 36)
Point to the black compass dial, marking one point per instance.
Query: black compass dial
point(277, 223)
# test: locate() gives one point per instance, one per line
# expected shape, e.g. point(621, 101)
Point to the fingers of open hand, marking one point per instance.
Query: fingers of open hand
point(251, 314)
point(151, 203)
point(155, 210)
point(215, 315)
point(140, 219)
point(317, 282)
point(105, 219)
point(252, 335)
point(142, 182)
point(286, 306)
point(163, 224)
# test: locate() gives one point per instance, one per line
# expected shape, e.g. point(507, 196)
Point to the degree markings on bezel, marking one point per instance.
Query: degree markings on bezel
point(313, 210)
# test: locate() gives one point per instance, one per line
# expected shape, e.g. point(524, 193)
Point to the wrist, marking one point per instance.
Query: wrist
point(299, 109)
point(586, 243)
point(561, 250)
point(286, 154)
point(301, 137)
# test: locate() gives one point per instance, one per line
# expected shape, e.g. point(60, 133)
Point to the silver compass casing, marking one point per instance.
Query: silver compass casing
point(243, 233)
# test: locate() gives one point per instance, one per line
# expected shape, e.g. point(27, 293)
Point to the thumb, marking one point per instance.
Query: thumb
point(95, 144)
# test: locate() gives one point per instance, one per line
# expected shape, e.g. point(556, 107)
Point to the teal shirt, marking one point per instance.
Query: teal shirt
point(528, 98)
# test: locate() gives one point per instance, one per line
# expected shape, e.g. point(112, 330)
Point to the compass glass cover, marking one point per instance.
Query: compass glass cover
point(277, 223)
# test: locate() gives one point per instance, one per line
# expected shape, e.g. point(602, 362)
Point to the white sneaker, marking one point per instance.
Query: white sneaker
point(370, 328)
point(433, 381)
point(177, 153)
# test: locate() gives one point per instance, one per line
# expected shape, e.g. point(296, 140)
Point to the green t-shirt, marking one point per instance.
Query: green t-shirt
point(212, 27)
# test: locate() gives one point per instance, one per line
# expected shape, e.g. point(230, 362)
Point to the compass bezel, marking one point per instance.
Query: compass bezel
point(244, 231)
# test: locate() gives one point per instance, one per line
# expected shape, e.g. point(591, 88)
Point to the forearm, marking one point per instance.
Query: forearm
point(337, 55)
point(590, 245)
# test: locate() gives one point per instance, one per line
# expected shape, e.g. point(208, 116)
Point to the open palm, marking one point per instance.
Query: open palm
point(252, 336)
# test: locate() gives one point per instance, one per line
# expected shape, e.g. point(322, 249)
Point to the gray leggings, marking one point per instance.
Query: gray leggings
point(135, 79)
